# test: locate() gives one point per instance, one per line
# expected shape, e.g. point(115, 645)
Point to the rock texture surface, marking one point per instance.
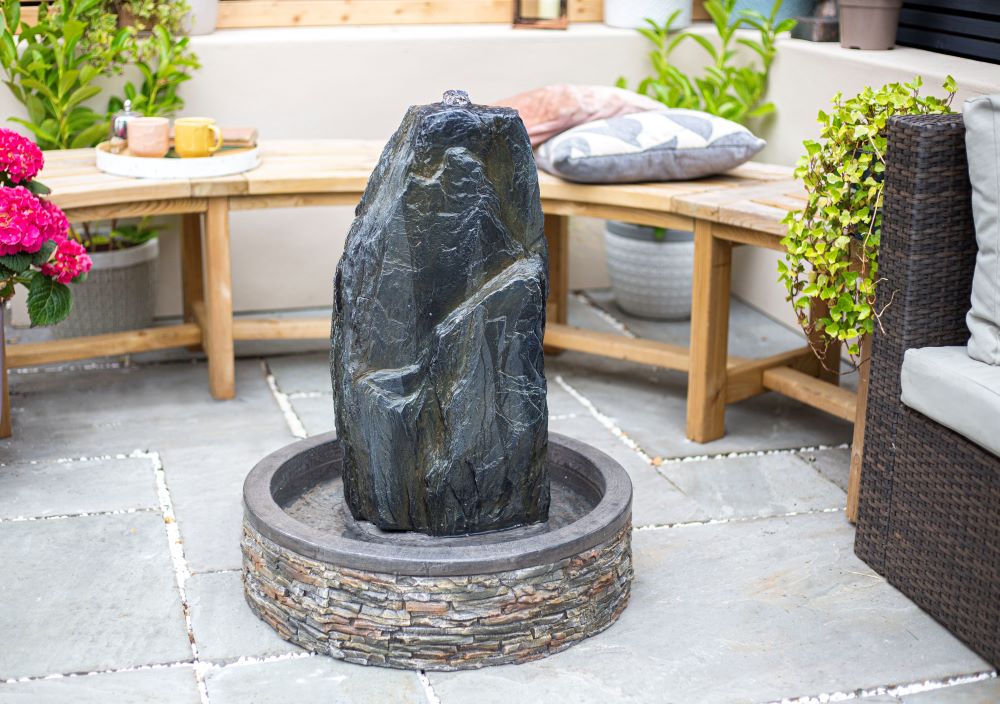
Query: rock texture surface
point(439, 315)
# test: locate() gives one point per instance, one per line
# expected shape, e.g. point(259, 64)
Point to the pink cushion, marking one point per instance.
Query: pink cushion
point(553, 109)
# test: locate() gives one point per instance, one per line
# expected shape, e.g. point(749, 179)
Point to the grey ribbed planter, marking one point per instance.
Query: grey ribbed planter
point(119, 293)
point(650, 277)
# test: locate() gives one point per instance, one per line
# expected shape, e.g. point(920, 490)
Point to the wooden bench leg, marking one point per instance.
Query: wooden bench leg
point(192, 267)
point(829, 369)
point(557, 234)
point(218, 328)
point(858, 442)
point(706, 403)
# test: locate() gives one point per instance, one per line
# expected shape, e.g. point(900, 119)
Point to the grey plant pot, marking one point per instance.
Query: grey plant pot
point(869, 24)
point(119, 293)
point(631, 14)
point(650, 278)
point(202, 18)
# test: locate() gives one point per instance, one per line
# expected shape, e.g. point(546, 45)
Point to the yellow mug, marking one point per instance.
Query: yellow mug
point(196, 136)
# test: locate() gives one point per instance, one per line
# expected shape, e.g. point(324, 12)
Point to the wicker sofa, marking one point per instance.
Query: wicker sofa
point(929, 512)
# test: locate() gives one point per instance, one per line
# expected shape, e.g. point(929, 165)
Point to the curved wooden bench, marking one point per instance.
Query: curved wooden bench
point(743, 207)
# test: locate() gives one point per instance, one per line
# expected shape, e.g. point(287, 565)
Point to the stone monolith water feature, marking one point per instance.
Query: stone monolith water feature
point(441, 527)
point(439, 315)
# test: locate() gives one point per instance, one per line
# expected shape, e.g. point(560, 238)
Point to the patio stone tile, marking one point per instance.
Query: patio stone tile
point(751, 333)
point(51, 489)
point(166, 685)
point(581, 314)
point(834, 464)
point(302, 372)
point(111, 411)
point(312, 680)
point(315, 412)
point(206, 486)
point(86, 594)
point(224, 627)
point(651, 406)
point(755, 486)
point(559, 401)
point(748, 611)
point(985, 692)
point(655, 501)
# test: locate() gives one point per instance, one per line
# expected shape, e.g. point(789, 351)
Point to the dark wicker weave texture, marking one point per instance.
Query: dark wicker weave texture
point(929, 513)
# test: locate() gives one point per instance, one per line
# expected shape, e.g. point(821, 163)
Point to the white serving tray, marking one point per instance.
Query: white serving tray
point(225, 162)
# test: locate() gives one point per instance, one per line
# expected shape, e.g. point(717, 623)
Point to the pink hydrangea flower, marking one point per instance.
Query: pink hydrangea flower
point(57, 226)
point(69, 261)
point(20, 158)
point(23, 221)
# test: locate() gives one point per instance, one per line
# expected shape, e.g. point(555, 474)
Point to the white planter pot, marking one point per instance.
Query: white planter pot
point(650, 276)
point(203, 16)
point(119, 293)
point(631, 14)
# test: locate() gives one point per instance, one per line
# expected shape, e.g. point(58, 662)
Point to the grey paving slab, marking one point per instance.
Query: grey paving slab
point(754, 486)
point(302, 372)
point(984, 692)
point(834, 464)
point(581, 313)
point(110, 411)
point(312, 680)
point(163, 685)
point(206, 485)
point(655, 501)
point(560, 403)
point(751, 333)
point(61, 488)
point(224, 627)
point(750, 611)
point(651, 406)
point(315, 412)
point(86, 594)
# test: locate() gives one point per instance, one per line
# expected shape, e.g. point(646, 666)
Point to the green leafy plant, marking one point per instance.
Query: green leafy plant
point(163, 72)
point(833, 242)
point(52, 69)
point(735, 92)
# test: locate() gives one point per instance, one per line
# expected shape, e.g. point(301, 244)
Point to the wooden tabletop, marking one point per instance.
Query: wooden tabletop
point(754, 196)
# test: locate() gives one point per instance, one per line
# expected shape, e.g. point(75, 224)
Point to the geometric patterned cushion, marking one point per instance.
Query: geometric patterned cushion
point(667, 144)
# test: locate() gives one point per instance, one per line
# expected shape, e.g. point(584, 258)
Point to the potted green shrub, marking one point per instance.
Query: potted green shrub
point(832, 243)
point(650, 268)
point(55, 69)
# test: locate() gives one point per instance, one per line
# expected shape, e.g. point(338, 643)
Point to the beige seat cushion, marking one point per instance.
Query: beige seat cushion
point(961, 393)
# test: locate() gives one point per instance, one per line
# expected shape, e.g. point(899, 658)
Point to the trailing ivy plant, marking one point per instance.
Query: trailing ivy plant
point(735, 92)
point(833, 242)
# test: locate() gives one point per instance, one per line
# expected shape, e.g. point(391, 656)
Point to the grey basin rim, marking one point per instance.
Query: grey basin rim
point(612, 512)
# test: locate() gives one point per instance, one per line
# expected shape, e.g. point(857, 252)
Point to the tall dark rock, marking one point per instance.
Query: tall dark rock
point(439, 314)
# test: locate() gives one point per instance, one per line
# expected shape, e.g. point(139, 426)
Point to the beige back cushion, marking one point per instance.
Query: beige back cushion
point(982, 141)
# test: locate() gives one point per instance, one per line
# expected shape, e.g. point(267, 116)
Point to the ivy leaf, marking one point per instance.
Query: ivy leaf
point(49, 301)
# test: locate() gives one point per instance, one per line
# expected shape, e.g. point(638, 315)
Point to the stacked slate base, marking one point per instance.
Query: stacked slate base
point(414, 602)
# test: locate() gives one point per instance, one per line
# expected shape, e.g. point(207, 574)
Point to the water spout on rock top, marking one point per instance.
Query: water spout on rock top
point(456, 98)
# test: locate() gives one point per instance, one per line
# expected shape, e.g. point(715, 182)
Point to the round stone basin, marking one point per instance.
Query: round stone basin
point(344, 588)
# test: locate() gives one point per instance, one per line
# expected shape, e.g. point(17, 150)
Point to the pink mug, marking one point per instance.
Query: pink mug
point(148, 136)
